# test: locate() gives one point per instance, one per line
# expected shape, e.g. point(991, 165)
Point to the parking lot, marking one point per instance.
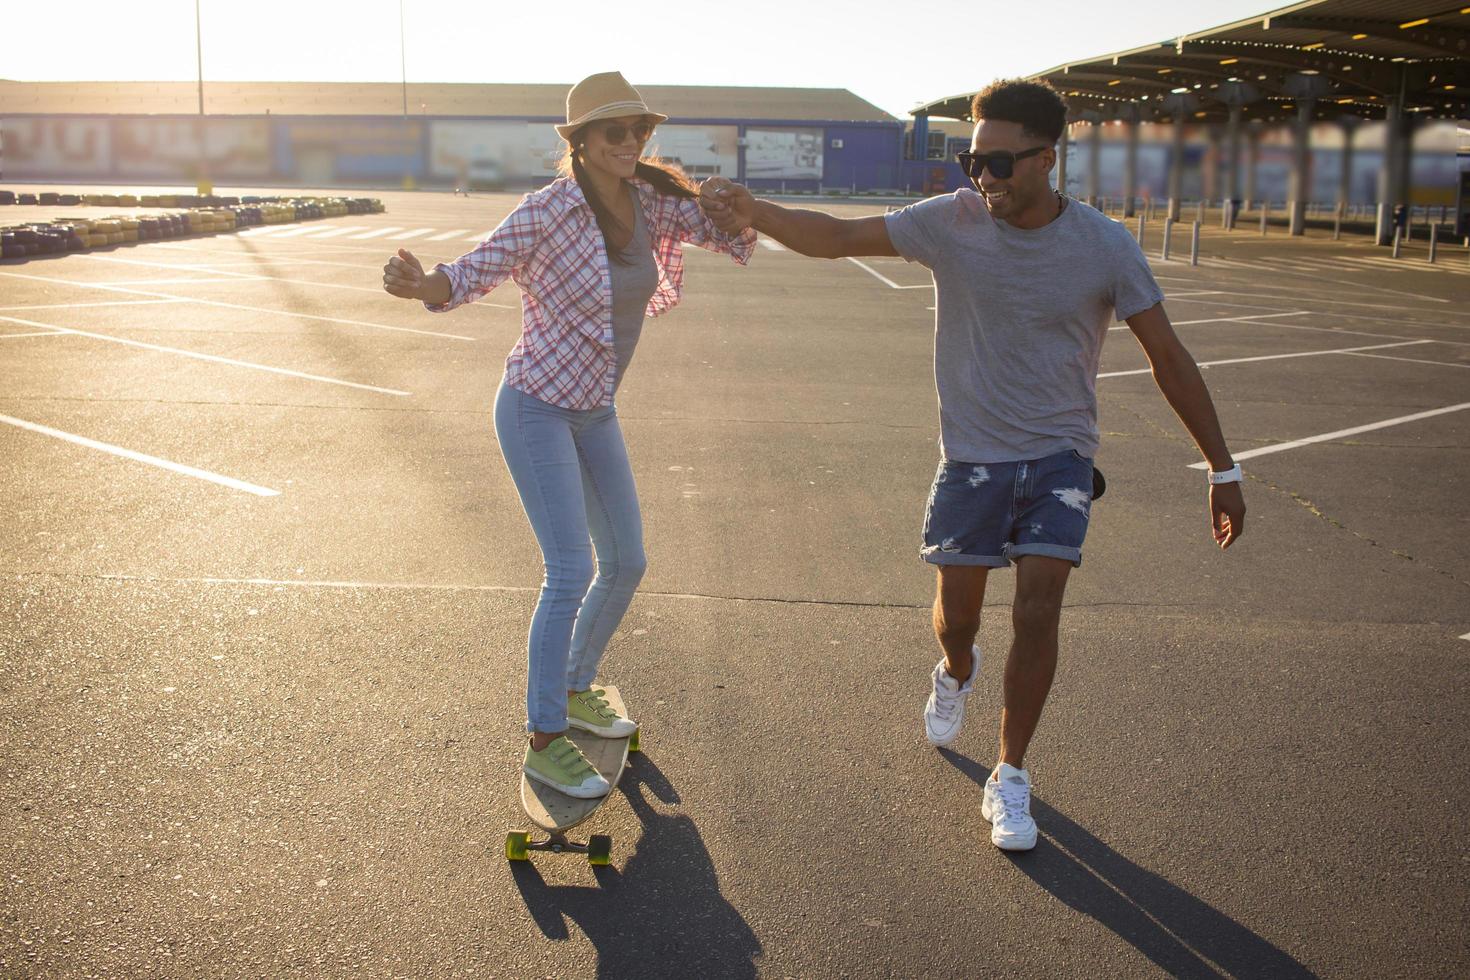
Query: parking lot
point(265, 585)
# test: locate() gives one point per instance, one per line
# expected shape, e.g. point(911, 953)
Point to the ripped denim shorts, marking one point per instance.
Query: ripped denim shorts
point(991, 514)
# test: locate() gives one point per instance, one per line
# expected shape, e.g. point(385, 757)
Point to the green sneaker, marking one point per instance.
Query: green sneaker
point(562, 766)
point(589, 711)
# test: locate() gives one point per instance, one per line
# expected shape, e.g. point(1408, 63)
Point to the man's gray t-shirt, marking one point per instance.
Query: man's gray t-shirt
point(1020, 320)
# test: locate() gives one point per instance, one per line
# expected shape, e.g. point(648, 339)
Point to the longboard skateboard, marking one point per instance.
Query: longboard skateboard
point(556, 813)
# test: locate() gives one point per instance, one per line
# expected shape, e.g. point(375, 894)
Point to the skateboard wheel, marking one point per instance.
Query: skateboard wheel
point(599, 849)
point(634, 745)
point(515, 846)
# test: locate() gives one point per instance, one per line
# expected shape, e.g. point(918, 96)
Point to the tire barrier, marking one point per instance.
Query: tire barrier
point(213, 216)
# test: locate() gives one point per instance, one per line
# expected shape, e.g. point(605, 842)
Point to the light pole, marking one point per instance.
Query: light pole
point(203, 186)
point(408, 182)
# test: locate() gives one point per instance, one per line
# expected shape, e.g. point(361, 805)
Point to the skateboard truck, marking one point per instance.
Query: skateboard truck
point(519, 845)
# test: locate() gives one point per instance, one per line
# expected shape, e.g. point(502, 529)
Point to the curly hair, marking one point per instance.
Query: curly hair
point(1035, 105)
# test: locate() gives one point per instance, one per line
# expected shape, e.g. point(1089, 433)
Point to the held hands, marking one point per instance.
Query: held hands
point(729, 205)
point(403, 276)
point(1227, 513)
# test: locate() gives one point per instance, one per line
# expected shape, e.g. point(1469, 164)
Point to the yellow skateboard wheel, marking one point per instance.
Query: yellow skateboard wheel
point(635, 744)
point(515, 846)
point(599, 849)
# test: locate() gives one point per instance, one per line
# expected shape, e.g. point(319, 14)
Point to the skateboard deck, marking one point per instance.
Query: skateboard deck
point(556, 813)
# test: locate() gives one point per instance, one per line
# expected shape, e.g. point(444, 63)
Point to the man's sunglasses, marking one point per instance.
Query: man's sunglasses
point(616, 133)
point(1002, 163)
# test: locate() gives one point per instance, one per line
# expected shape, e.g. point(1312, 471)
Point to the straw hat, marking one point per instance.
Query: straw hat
point(604, 96)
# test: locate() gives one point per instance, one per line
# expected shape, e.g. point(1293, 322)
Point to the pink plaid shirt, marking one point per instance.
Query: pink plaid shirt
point(553, 249)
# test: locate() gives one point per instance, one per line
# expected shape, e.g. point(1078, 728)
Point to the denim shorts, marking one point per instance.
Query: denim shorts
point(992, 514)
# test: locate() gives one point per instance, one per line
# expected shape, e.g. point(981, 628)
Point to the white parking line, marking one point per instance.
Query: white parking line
point(224, 481)
point(334, 232)
point(1296, 296)
point(1415, 360)
point(479, 238)
point(75, 306)
point(234, 277)
point(1266, 265)
point(303, 230)
point(238, 306)
point(296, 257)
point(411, 234)
point(445, 236)
point(377, 233)
point(1339, 434)
point(771, 244)
point(206, 357)
point(1274, 357)
point(37, 333)
point(882, 278)
point(1233, 319)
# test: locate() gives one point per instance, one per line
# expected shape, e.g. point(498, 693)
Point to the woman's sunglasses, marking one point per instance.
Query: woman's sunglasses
point(616, 133)
point(1002, 163)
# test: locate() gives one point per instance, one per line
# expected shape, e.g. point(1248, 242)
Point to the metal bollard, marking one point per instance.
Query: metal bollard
point(1396, 242)
point(1265, 209)
point(1168, 235)
point(1194, 246)
point(1337, 225)
point(1199, 211)
point(1433, 241)
point(1140, 232)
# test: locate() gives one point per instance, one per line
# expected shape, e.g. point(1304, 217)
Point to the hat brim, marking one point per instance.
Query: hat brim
point(565, 130)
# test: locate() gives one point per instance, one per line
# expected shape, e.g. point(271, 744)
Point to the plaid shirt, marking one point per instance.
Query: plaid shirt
point(553, 248)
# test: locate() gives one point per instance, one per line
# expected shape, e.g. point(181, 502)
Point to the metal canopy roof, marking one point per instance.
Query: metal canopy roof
point(1352, 56)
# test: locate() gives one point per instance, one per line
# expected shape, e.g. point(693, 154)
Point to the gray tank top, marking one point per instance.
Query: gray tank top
point(632, 287)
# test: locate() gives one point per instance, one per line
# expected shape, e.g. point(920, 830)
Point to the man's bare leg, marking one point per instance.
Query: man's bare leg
point(1040, 584)
point(959, 594)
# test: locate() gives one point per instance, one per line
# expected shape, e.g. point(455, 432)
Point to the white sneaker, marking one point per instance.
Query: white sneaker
point(1007, 805)
point(944, 712)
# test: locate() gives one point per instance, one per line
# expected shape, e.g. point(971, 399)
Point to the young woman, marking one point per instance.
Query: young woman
point(593, 253)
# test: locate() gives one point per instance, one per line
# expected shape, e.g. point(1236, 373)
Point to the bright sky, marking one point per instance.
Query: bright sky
point(896, 54)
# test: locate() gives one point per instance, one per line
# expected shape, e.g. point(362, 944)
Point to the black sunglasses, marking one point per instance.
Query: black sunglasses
point(615, 133)
point(1002, 163)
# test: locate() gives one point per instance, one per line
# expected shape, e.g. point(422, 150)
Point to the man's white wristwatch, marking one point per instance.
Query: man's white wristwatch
point(1231, 475)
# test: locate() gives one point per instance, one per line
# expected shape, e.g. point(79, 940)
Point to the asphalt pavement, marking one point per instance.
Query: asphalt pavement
point(265, 583)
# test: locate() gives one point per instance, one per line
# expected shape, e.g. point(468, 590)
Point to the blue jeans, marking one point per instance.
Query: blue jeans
point(571, 470)
point(994, 513)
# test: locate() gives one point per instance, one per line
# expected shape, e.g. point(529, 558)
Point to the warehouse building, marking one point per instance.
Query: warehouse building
point(343, 134)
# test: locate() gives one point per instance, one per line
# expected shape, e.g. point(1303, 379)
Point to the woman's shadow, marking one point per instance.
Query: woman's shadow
point(662, 914)
point(1181, 934)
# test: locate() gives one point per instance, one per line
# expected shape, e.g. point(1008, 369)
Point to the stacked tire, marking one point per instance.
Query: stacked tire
point(224, 214)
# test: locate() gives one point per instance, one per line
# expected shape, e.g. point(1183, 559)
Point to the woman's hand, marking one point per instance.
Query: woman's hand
point(729, 205)
point(403, 276)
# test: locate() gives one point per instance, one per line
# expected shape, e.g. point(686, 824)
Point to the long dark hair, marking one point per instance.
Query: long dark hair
point(666, 178)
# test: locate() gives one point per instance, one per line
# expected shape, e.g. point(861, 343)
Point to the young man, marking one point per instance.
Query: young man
point(1027, 283)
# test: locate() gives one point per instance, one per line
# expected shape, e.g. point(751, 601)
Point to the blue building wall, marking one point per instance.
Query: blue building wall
point(862, 157)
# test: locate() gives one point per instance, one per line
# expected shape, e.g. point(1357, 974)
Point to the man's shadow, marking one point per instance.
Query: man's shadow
point(1182, 935)
point(662, 914)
